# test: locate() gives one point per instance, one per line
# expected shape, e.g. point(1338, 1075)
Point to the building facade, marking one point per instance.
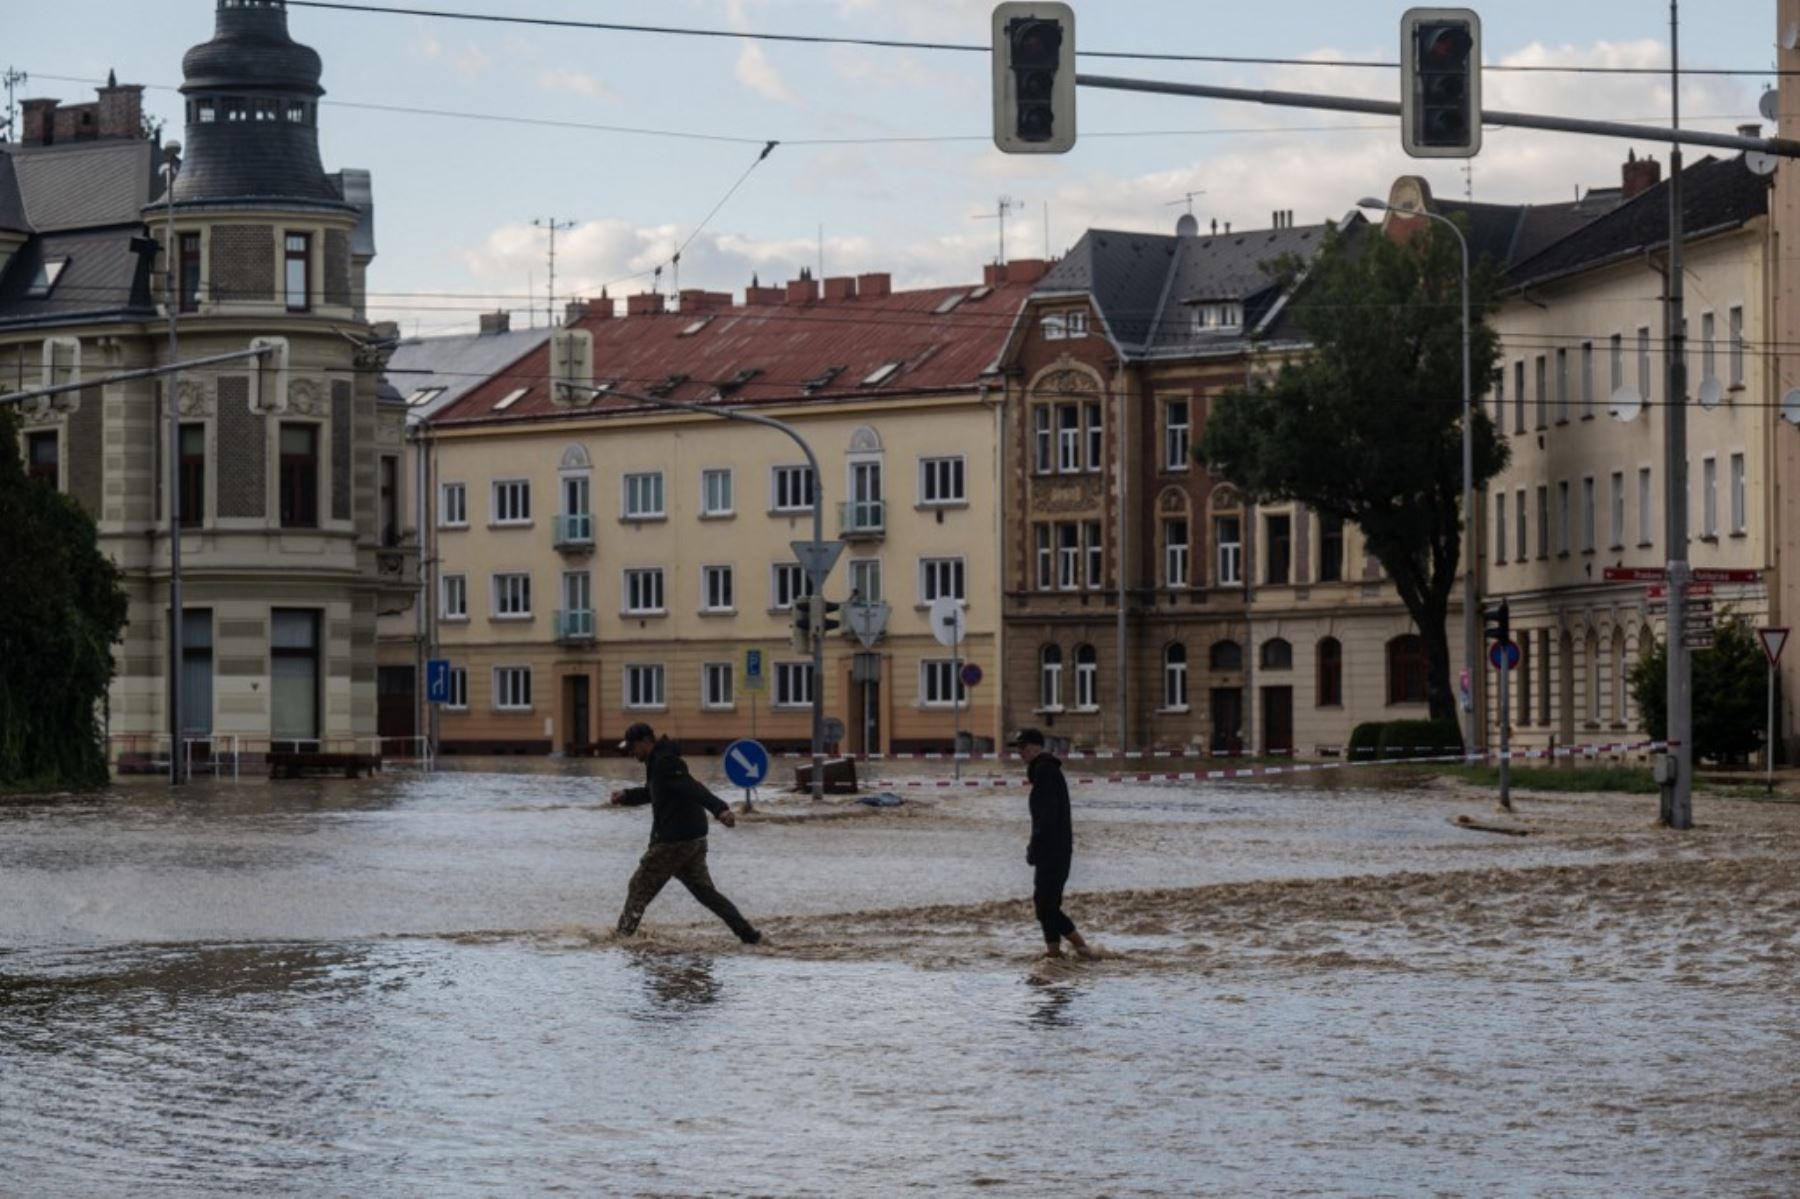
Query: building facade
point(287, 480)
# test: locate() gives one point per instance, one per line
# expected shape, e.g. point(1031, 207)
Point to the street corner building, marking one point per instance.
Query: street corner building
point(286, 480)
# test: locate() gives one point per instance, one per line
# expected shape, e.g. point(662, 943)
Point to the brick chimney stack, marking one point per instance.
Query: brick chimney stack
point(496, 322)
point(1639, 175)
point(37, 122)
point(648, 303)
point(875, 286)
point(121, 110)
point(840, 287)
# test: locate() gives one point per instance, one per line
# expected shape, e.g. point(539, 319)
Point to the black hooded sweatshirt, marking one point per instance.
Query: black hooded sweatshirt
point(1052, 833)
point(679, 803)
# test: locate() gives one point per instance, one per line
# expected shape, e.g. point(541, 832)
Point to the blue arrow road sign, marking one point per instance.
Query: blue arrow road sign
point(1504, 655)
point(746, 763)
point(437, 680)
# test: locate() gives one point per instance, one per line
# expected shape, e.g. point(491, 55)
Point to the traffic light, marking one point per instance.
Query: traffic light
point(801, 635)
point(1499, 623)
point(1034, 77)
point(821, 615)
point(1440, 96)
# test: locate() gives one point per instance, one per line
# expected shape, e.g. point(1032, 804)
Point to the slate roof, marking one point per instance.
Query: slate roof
point(103, 275)
point(774, 353)
point(458, 364)
point(86, 186)
point(1717, 194)
point(12, 205)
point(1507, 234)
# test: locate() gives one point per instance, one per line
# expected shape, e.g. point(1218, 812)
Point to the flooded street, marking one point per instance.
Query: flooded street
point(408, 985)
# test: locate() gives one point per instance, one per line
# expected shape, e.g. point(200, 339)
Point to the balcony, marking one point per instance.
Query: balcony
point(574, 626)
point(862, 520)
point(574, 532)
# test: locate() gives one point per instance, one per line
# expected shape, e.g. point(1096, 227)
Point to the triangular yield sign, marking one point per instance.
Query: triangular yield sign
point(817, 558)
point(1773, 640)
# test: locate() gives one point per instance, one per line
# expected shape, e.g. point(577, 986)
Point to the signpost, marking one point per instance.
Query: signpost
point(747, 765)
point(755, 681)
point(1774, 640)
point(948, 624)
point(1505, 657)
point(437, 680)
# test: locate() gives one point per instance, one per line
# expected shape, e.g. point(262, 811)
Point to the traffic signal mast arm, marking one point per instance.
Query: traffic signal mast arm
point(149, 372)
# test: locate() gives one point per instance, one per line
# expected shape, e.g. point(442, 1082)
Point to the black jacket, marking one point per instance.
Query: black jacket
point(679, 803)
point(1052, 833)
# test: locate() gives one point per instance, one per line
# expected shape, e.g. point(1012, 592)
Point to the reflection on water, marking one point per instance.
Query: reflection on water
point(678, 987)
point(1050, 1006)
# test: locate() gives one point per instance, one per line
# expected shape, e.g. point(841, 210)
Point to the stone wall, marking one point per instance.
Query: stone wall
point(243, 263)
point(243, 452)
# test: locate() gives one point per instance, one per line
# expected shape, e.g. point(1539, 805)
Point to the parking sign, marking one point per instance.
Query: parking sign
point(754, 679)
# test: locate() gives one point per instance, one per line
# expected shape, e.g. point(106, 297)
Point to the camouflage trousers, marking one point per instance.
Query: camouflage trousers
point(684, 861)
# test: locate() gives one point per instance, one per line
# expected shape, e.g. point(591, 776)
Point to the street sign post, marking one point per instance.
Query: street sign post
point(1774, 640)
point(948, 624)
point(1504, 655)
point(437, 680)
point(747, 765)
point(971, 675)
point(817, 558)
point(755, 680)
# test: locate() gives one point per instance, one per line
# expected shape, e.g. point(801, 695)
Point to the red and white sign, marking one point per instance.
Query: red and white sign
point(1635, 574)
point(1773, 641)
point(1661, 590)
point(1726, 576)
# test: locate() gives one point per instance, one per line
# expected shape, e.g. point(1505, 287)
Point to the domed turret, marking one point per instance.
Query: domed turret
point(252, 112)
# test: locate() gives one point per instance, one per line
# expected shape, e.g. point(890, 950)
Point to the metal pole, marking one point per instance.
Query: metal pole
point(1122, 632)
point(1505, 731)
point(956, 700)
point(148, 372)
point(1677, 793)
point(171, 476)
point(1769, 742)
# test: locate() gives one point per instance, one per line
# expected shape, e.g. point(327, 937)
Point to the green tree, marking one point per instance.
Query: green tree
point(1731, 682)
point(1367, 425)
point(63, 611)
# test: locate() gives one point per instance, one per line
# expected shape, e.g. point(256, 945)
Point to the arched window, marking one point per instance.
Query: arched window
point(1050, 666)
point(1331, 673)
point(1407, 671)
point(1619, 685)
point(1277, 654)
point(1175, 680)
point(1087, 677)
point(1226, 655)
point(1593, 677)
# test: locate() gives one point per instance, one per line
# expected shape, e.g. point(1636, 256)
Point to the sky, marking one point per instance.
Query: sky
point(886, 161)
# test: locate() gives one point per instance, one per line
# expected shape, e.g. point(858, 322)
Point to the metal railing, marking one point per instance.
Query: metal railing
point(862, 518)
point(573, 531)
point(574, 624)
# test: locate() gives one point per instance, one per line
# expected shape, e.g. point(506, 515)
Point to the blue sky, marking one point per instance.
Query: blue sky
point(456, 197)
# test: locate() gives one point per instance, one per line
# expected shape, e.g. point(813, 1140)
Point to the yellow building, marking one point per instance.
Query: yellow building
point(602, 561)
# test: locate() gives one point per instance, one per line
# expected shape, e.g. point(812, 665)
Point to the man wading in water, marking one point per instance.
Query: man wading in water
point(678, 806)
point(1052, 843)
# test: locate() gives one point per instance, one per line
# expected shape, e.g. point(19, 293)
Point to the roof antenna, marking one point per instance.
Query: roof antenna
point(553, 225)
point(1005, 205)
point(1188, 199)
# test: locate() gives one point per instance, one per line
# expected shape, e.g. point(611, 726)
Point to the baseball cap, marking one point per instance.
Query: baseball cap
point(635, 733)
point(1029, 737)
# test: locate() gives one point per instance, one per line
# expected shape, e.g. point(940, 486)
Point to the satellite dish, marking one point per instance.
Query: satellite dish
point(1790, 407)
point(1759, 164)
point(1712, 394)
point(1769, 104)
point(1625, 404)
point(1791, 38)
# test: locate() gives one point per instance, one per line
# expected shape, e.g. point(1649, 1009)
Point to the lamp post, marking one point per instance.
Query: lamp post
point(171, 476)
point(1468, 456)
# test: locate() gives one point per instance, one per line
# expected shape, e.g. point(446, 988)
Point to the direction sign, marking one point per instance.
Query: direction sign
point(1635, 574)
point(1504, 655)
point(971, 675)
point(1661, 590)
point(1727, 576)
point(1773, 642)
point(437, 681)
point(948, 622)
point(817, 558)
point(755, 679)
point(746, 763)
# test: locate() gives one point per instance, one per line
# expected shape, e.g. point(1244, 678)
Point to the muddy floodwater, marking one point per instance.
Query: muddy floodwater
point(408, 986)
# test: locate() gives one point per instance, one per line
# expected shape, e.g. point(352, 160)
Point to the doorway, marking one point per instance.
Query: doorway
point(396, 712)
point(1278, 721)
point(577, 714)
point(1227, 720)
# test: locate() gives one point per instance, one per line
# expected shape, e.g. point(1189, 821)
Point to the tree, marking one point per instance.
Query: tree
point(1731, 681)
point(1367, 425)
point(63, 612)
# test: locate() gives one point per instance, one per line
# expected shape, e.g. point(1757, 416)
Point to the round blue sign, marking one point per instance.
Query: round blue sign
point(746, 763)
point(971, 674)
point(1504, 655)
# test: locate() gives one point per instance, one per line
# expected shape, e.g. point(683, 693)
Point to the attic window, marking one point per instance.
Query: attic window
point(45, 280)
point(881, 374)
point(424, 396)
point(512, 397)
point(823, 380)
point(980, 293)
point(1078, 324)
point(950, 302)
point(695, 327)
point(1055, 326)
point(1210, 318)
point(738, 380)
point(663, 389)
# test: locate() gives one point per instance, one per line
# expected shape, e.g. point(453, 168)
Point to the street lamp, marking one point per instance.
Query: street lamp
point(1468, 456)
point(172, 481)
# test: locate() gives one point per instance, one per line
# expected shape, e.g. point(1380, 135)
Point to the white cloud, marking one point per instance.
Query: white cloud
point(580, 83)
point(756, 72)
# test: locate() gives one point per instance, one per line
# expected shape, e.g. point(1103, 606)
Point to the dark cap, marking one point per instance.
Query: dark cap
point(636, 733)
point(1029, 737)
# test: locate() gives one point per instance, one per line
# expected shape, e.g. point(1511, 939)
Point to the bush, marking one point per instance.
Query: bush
point(1365, 742)
point(1419, 739)
point(1730, 682)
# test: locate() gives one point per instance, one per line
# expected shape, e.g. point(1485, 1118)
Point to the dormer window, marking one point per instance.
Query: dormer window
point(44, 282)
point(296, 113)
point(1214, 317)
point(1078, 324)
point(1055, 327)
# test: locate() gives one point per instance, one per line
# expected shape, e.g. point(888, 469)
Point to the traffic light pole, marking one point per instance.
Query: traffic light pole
point(1677, 799)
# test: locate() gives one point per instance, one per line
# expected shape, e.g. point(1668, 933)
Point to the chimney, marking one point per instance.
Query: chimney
point(803, 290)
point(1749, 130)
point(1215, 226)
point(121, 110)
point(37, 122)
point(840, 287)
point(695, 299)
point(993, 274)
point(1026, 270)
point(647, 303)
point(496, 322)
point(1640, 175)
point(875, 287)
point(755, 294)
point(574, 311)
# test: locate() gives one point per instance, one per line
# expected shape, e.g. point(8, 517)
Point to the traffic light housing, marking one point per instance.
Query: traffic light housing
point(1440, 88)
point(821, 615)
point(1034, 77)
point(801, 635)
point(1499, 623)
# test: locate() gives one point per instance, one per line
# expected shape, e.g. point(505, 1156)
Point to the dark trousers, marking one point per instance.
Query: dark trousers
point(1046, 898)
point(684, 861)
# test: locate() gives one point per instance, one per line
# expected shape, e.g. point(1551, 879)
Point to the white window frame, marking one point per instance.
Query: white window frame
point(707, 509)
point(1709, 354)
point(784, 481)
point(860, 570)
point(711, 575)
point(1093, 428)
point(509, 496)
point(1734, 331)
point(1068, 556)
point(1043, 439)
point(934, 674)
point(1045, 576)
point(1177, 435)
point(1077, 322)
point(1068, 440)
point(941, 578)
point(1522, 534)
point(457, 696)
point(1740, 496)
point(1587, 380)
point(943, 482)
point(1087, 681)
point(509, 683)
point(788, 582)
point(1175, 555)
point(711, 674)
point(1646, 507)
point(633, 505)
point(1500, 531)
point(1709, 497)
point(453, 505)
point(1093, 553)
point(1050, 674)
point(1228, 556)
point(453, 586)
point(792, 687)
point(637, 584)
point(1176, 696)
point(1616, 519)
point(644, 687)
point(1589, 514)
point(1054, 327)
point(502, 591)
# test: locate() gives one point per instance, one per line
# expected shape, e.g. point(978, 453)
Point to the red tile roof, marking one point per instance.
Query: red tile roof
point(768, 353)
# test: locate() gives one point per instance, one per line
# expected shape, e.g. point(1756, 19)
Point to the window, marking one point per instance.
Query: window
point(1734, 331)
point(1226, 656)
point(187, 287)
point(1540, 371)
point(1087, 679)
point(512, 596)
point(644, 496)
point(788, 584)
point(512, 688)
point(511, 500)
point(192, 476)
point(1055, 327)
point(1615, 364)
point(644, 591)
point(1277, 654)
point(299, 476)
point(865, 579)
point(792, 489)
point(793, 684)
point(939, 684)
point(1175, 553)
point(1278, 547)
point(1564, 518)
point(1094, 549)
point(643, 686)
point(940, 578)
point(1519, 396)
point(457, 699)
point(1520, 534)
point(1522, 638)
point(1500, 400)
point(1175, 678)
point(1739, 498)
point(1068, 438)
point(294, 674)
point(1709, 367)
point(45, 460)
point(1500, 531)
point(1331, 548)
point(510, 398)
point(1329, 692)
point(1587, 380)
point(576, 496)
point(1709, 497)
point(296, 112)
point(1043, 439)
point(715, 493)
point(1407, 670)
point(206, 112)
point(941, 481)
point(453, 506)
point(298, 277)
point(577, 617)
point(1543, 520)
point(1616, 522)
point(453, 597)
point(44, 281)
point(1646, 508)
point(1044, 575)
point(234, 109)
point(1228, 543)
point(1094, 434)
point(716, 686)
point(1068, 556)
point(715, 589)
point(1562, 385)
point(1643, 363)
point(1176, 434)
point(1587, 514)
point(388, 480)
point(265, 109)
point(1218, 316)
point(1050, 665)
